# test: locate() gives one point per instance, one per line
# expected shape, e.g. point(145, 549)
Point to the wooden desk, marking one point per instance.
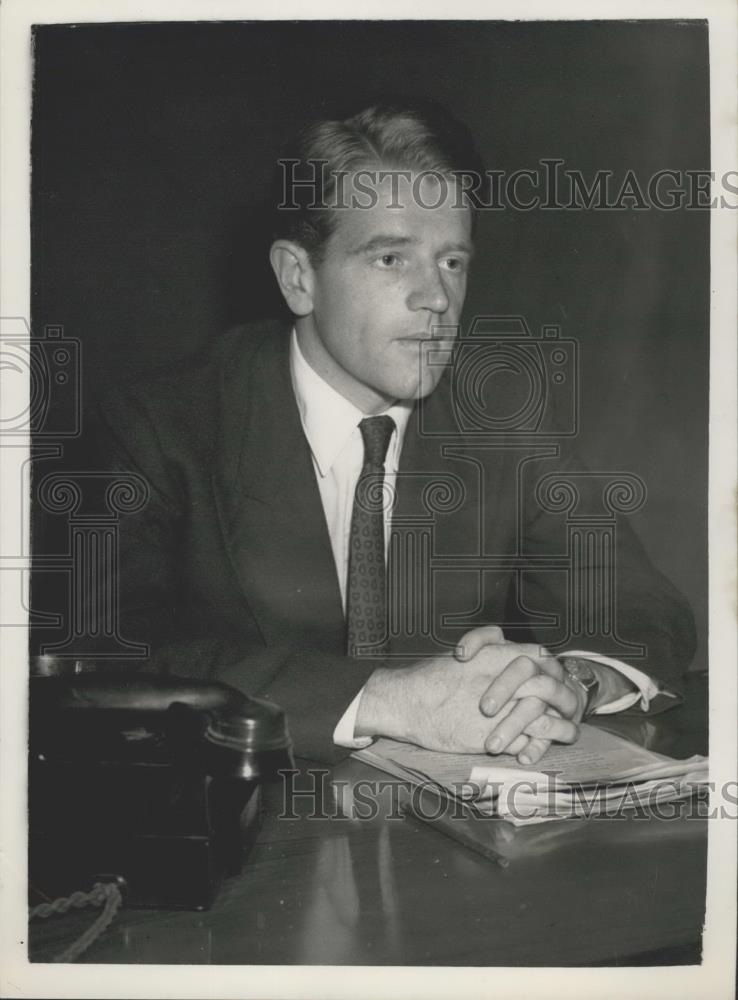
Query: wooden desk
point(623, 891)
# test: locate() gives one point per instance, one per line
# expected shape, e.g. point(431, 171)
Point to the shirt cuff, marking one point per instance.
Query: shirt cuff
point(646, 687)
point(343, 734)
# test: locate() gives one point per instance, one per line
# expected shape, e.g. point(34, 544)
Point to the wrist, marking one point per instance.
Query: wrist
point(603, 685)
point(380, 707)
point(392, 703)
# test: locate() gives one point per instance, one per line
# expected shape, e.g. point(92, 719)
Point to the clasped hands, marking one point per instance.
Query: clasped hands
point(492, 695)
point(531, 702)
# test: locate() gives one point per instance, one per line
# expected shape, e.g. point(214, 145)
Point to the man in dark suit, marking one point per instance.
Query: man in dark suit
point(322, 531)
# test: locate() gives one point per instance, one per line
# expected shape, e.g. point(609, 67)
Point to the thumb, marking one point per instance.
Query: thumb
point(470, 644)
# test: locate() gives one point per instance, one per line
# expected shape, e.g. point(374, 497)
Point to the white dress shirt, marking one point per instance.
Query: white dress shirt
point(331, 425)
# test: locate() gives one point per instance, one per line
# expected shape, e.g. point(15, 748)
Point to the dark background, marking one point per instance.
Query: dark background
point(153, 145)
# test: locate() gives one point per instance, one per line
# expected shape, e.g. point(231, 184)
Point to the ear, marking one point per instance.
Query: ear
point(294, 273)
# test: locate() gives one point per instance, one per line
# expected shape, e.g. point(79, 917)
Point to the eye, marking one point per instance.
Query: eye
point(456, 264)
point(387, 261)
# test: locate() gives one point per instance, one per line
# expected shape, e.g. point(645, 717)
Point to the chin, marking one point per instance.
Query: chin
point(416, 389)
point(408, 383)
point(428, 383)
point(411, 377)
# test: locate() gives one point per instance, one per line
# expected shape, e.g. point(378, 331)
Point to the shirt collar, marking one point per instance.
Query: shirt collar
point(328, 418)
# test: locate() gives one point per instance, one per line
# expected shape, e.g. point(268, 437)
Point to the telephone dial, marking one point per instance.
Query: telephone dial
point(151, 781)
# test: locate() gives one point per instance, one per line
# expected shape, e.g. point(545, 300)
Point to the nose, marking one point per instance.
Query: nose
point(429, 292)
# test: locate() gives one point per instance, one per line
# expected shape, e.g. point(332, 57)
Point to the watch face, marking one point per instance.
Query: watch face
point(580, 670)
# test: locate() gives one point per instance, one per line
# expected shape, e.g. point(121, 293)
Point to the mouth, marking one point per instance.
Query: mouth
point(419, 338)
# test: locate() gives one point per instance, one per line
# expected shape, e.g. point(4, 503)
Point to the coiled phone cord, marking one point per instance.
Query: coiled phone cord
point(106, 893)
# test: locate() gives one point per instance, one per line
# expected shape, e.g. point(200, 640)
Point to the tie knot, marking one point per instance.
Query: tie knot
point(376, 432)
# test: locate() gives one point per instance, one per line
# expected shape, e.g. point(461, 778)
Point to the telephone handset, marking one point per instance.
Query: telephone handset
point(151, 780)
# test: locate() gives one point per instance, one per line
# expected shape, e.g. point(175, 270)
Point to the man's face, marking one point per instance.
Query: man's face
point(389, 275)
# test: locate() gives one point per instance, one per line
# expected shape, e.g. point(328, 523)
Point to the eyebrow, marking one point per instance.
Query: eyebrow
point(382, 240)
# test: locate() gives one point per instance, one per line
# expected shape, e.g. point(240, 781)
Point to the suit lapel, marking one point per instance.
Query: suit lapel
point(447, 495)
point(269, 501)
point(273, 521)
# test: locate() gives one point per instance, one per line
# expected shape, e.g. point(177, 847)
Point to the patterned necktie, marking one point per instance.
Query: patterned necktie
point(366, 600)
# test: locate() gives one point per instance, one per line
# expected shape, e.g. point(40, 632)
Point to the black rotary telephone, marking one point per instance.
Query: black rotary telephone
point(151, 781)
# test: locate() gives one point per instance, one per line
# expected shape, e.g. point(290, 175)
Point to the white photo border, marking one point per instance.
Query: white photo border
point(716, 976)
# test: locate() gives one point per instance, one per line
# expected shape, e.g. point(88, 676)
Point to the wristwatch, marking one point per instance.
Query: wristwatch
point(581, 672)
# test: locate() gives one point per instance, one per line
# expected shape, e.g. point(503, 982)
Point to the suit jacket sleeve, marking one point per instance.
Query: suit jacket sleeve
point(313, 686)
point(645, 608)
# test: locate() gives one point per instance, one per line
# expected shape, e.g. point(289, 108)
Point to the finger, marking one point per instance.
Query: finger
point(555, 693)
point(518, 745)
point(551, 666)
point(504, 712)
point(536, 746)
point(548, 663)
point(545, 727)
point(533, 751)
point(472, 642)
point(506, 684)
point(553, 728)
point(514, 724)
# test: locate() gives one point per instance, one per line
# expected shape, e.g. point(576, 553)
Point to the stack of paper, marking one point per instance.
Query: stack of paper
point(601, 774)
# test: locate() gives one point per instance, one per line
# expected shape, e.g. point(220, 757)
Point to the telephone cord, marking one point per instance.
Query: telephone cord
point(106, 893)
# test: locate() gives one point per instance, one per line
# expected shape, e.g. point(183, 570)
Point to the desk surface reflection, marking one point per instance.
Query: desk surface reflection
point(385, 891)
